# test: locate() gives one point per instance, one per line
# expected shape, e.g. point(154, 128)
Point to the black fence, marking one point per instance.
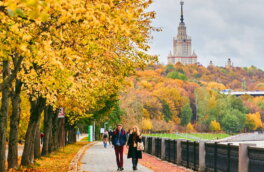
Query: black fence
point(256, 159)
point(170, 150)
point(190, 151)
point(221, 158)
point(215, 157)
point(190, 154)
point(149, 145)
point(158, 147)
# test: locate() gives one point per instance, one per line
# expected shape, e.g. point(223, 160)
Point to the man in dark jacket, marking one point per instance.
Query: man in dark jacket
point(119, 140)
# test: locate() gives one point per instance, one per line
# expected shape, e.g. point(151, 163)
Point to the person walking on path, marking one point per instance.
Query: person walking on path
point(110, 133)
point(119, 140)
point(132, 144)
point(105, 138)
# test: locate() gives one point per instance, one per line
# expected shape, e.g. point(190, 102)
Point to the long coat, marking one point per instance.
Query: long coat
point(130, 144)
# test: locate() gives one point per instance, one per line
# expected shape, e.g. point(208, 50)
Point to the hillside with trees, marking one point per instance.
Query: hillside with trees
point(187, 97)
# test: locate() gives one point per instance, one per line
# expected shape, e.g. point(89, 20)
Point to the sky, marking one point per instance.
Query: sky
point(220, 29)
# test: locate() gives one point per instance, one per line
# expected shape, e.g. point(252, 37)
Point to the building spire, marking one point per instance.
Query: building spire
point(182, 3)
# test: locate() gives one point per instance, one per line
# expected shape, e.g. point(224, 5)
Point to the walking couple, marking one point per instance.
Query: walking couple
point(119, 140)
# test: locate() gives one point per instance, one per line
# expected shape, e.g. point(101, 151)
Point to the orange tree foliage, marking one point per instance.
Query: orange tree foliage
point(189, 128)
point(253, 121)
point(74, 54)
point(163, 98)
point(82, 49)
point(146, 124)
point(215, 126)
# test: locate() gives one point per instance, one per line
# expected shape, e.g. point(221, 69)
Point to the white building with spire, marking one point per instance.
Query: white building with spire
point(182, 46)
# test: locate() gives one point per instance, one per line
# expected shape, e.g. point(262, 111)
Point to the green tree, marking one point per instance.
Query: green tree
point(186, 114)
point(231, 124)
point(261, 105)
point(177, 75)
point(169, 68)
point(115, 115)
point(166, 111)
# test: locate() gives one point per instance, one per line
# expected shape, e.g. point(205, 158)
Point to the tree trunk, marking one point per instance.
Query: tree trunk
point(72, 135)
point(3, 117)
point(51, 146)
point(37, 106)
point(61, 132)
point(48, 113)
point(55, 131)
point(14, 126)
point(37, 142)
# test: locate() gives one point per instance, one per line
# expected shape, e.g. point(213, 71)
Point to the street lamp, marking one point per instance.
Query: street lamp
point(105, 125)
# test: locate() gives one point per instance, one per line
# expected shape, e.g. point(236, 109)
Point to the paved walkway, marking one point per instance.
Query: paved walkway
point(249, 138)
point(100, 159)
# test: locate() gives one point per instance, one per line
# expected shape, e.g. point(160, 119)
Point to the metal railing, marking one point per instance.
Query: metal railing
point(222, 158)
point(207, 157)
point(158, 147)
point(149, 145)
point(190, 154)
point(256, 159)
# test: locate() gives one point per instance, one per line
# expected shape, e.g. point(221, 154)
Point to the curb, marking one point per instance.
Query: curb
point(73, 167)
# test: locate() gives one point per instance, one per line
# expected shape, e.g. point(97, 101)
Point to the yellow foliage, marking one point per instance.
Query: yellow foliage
point(146, 84)
point(189, 127)
point(58, 160)
point(253, 121)
point(214, 85)
point(146, 124)
point(146, 113)
point(173, 98)
point(215, 126)
point(75, 54)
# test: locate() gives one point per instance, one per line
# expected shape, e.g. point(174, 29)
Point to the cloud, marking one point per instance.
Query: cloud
point(220, 29)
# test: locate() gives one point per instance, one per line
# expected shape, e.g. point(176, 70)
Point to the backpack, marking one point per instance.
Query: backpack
point(105, 136)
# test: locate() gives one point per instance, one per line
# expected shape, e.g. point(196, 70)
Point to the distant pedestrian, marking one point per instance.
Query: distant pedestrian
point(119, 140)
point(110, 133)
point(133, 146)
point(78, 134)
point(41, 137)
point(105, 138)
point(129, 131)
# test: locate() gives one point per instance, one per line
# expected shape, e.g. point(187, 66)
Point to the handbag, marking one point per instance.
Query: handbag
point(140, 146)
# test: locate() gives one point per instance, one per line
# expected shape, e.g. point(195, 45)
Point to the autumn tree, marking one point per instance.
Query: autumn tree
point(146, 124)
point(109, 41)
point(215, 126)
point(253, 121)
point(186, 114)
point(189, 128)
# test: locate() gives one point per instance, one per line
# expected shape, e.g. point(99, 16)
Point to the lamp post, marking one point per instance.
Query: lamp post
point(105, 125)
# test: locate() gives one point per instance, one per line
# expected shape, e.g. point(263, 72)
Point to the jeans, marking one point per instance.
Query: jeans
point(119, 155)
point(105, 144)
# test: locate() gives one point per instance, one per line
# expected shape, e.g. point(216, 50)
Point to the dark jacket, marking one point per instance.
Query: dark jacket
point(132, 151)
point(122, 137)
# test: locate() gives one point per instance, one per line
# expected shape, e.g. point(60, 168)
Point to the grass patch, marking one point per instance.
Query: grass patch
point(192, 136)
point(57, 161)
point(84, 139)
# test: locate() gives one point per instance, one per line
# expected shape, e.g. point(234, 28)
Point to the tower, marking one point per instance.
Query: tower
point(229, 63)
point(182, 45)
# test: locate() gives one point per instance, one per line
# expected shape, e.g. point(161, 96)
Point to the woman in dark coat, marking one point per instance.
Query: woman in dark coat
point(133, 140)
